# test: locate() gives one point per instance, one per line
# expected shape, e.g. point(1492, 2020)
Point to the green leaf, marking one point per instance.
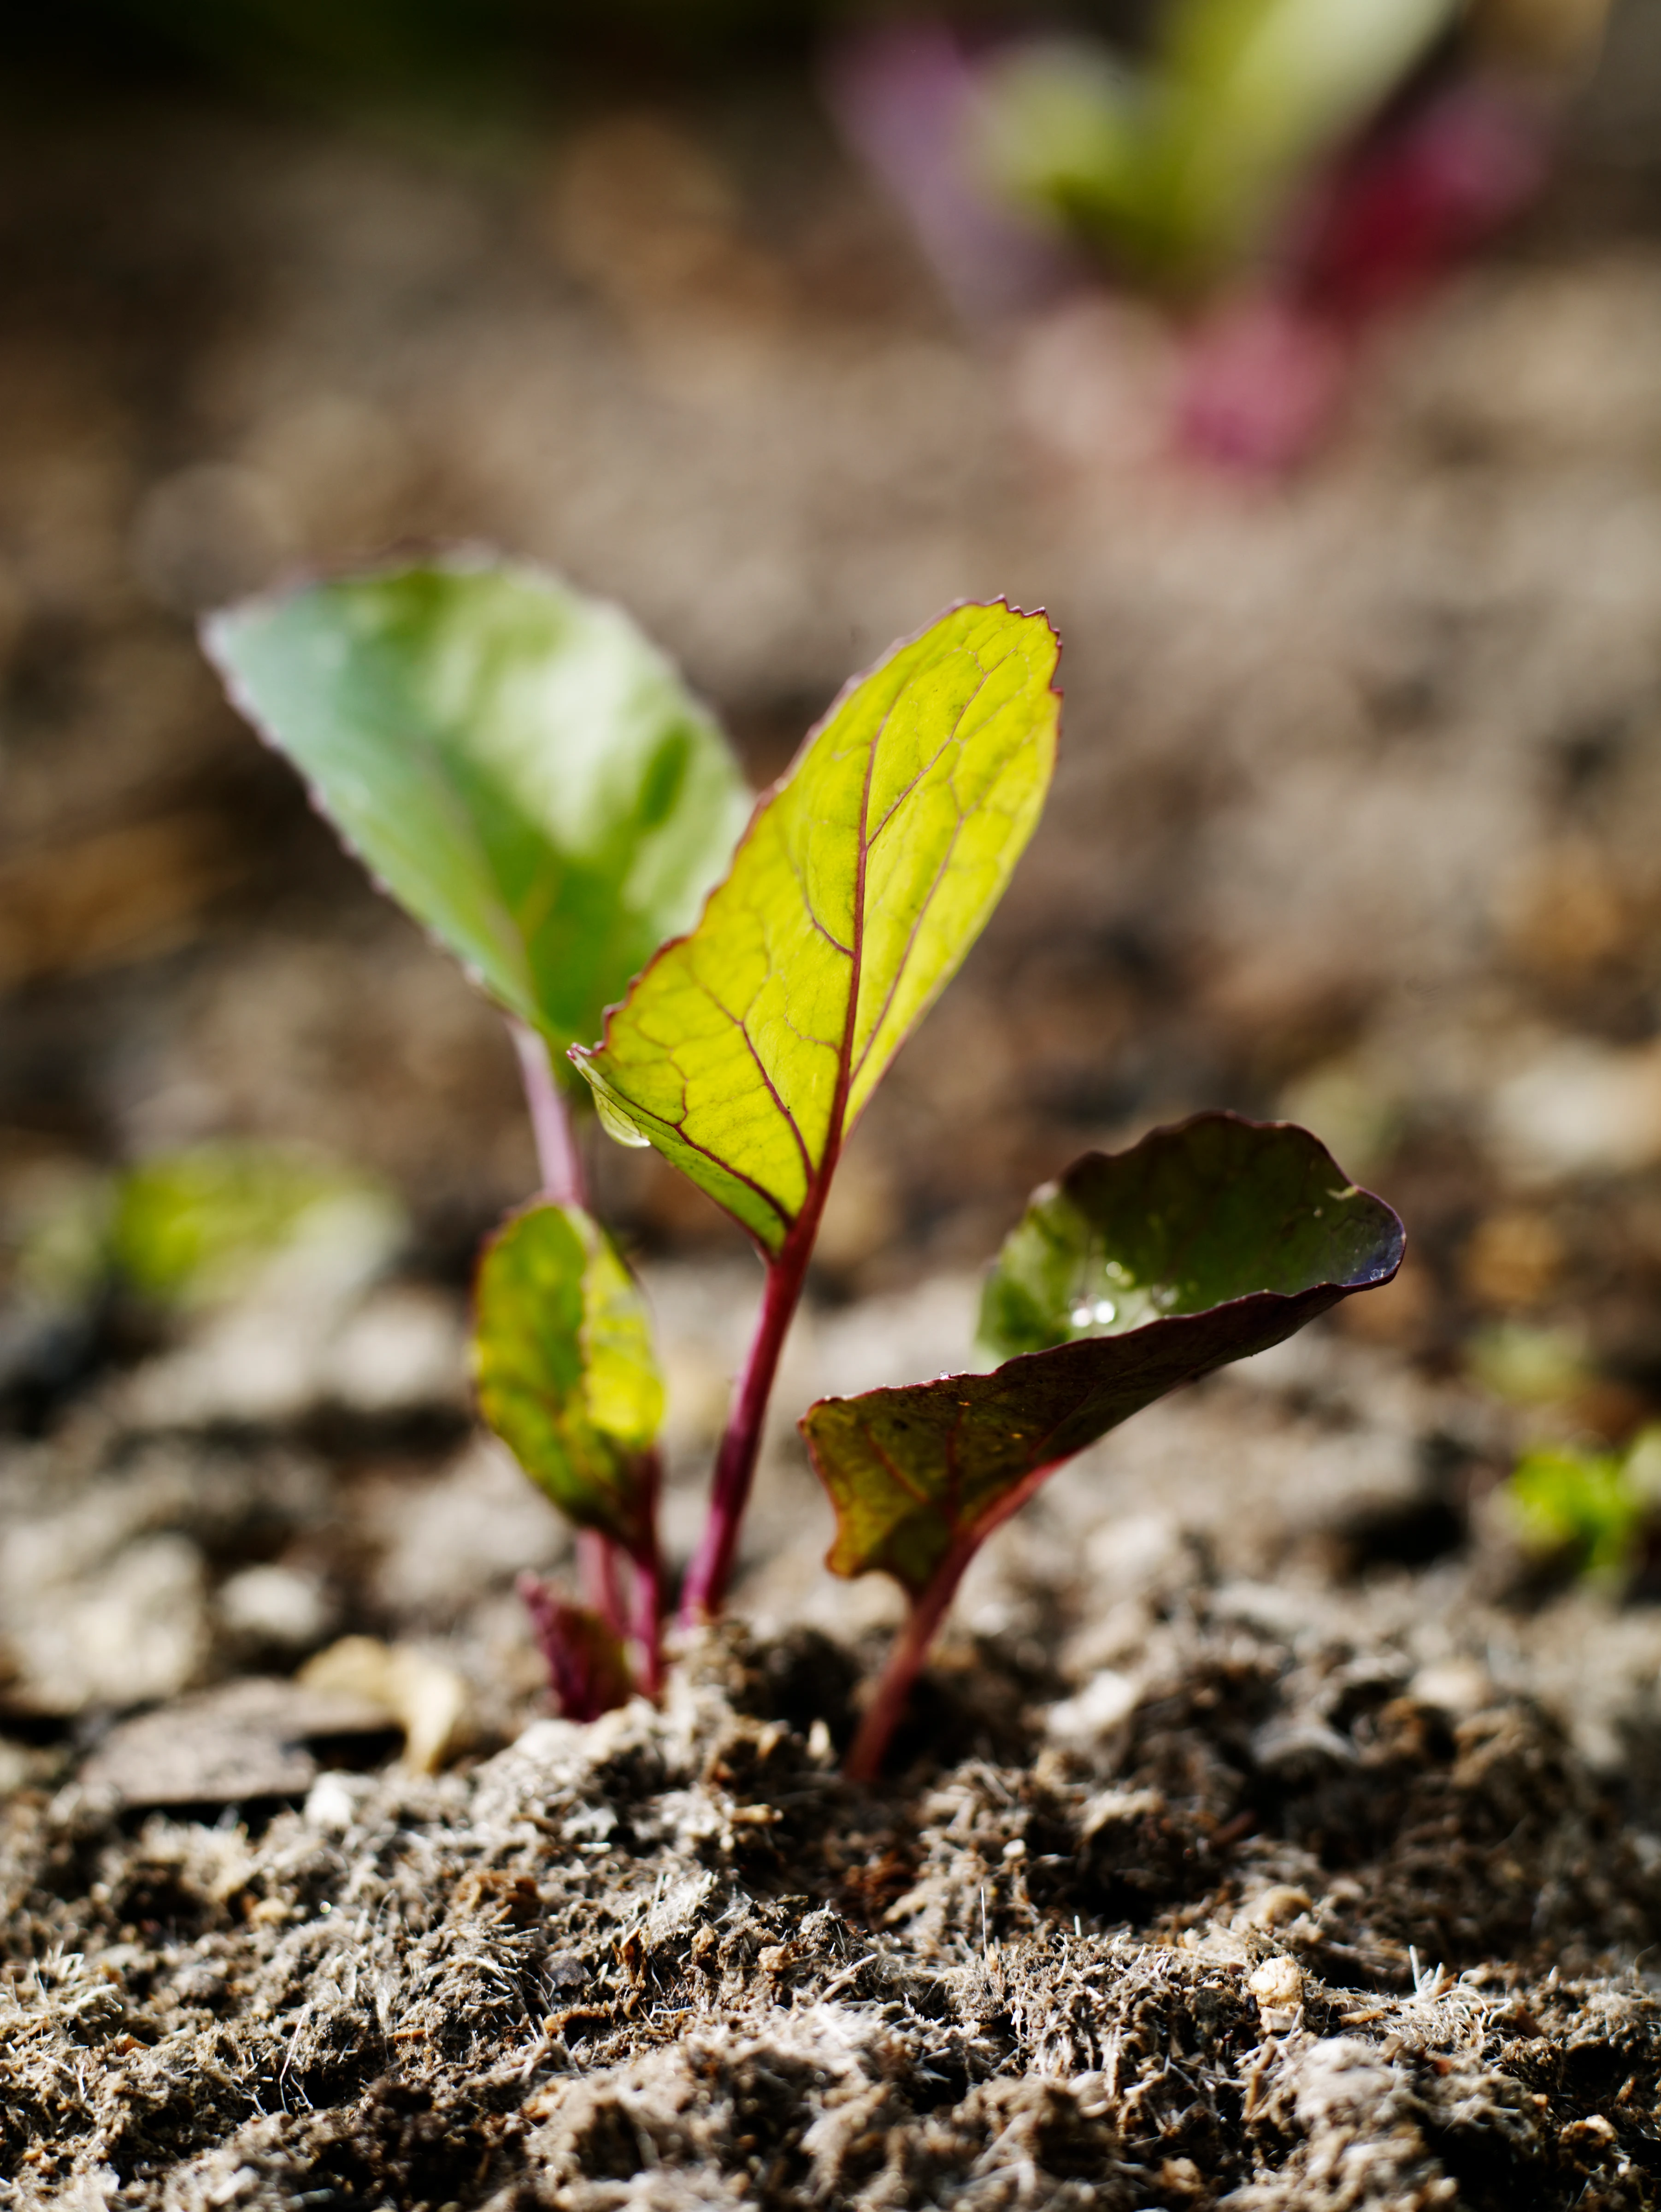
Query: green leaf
point(513, 762)
point(1138, 1272)
point(1063, 124)
point(565, 1372)
point(1215, 1211)
point(1284, 78)
point(747, 1049)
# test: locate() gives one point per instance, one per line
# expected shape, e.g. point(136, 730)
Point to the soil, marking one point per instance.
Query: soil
point(1301, 1926)
point(1270, 1830)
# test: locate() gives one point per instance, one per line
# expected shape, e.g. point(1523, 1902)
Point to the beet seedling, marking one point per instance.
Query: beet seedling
point(526, 773)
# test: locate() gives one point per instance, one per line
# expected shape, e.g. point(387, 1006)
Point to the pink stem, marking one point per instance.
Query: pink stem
point(557, 1156)
point(735, 1466)
point(588, 1673)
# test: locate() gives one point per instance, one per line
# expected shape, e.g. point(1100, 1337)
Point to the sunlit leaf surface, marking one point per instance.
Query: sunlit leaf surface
point(1138, 1272)
point(565, 1371)
point(518, 766)
point(747, 1050)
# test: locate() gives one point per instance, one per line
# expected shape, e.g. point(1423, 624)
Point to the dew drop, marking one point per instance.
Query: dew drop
point(1081, 1317)
point(1107, 1311)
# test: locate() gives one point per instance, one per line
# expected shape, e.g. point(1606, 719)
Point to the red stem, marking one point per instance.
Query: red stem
point(786, 1271)
point(557, 1156)
point(598, 1560)
point(648, 1584)
point(735, 1465)
point(911, 1647)
point(906, 1661)
point(649, 1624)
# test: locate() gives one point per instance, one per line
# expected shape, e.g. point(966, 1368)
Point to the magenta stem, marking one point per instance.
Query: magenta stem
point(557, 1157)
point(735, 1465)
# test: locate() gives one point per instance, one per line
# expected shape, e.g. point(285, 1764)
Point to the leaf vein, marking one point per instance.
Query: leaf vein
point(727, 1168)
point(896, 1473)
point(900, 966)
point(771, 1089)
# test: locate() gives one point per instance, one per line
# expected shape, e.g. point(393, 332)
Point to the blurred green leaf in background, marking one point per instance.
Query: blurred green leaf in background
point(193, 1227)
point(1178, 166)
point(1589, 1510)
point(190, 1228)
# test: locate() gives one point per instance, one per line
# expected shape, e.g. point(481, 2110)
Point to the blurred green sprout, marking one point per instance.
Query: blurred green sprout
point(1179, 167)
point(1586, 1508)
point(189, 1228)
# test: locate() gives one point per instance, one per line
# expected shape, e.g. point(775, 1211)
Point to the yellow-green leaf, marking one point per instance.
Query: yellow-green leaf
point(565, 1371)
point(747, 1049)
point(520, 768)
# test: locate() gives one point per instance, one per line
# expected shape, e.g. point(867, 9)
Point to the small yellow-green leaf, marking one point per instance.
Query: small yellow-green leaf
point(565, 1371)
point(520, 768)
point(747, 1049)
point(1139, 1271)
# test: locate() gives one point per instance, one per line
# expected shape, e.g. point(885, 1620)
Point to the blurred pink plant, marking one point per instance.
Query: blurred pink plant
point(1269, 338)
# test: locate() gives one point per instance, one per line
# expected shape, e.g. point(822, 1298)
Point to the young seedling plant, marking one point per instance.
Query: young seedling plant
point(528, 776)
